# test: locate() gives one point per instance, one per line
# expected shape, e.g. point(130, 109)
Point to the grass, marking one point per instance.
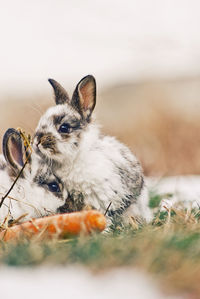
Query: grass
point(168, 248)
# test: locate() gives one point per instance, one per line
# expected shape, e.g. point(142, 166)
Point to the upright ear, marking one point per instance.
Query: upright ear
point(61, 96)
point(84, 97)
point(13, 149)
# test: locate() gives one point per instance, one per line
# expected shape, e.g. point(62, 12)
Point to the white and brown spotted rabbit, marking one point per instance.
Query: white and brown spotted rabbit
point(37, 192)
point(97, 170)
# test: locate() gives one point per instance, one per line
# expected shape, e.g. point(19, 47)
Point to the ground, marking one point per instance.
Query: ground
point(167, 250)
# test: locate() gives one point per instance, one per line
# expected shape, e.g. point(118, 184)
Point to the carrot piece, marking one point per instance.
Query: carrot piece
point(57, 225)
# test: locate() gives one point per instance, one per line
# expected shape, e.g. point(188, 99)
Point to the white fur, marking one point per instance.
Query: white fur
point(26, 197)
point(91, 168)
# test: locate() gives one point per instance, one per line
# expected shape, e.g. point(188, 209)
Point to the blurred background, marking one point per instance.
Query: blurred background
point(145, 55)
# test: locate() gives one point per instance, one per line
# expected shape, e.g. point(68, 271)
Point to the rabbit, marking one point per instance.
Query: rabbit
point(97, 170)
point(37, 192)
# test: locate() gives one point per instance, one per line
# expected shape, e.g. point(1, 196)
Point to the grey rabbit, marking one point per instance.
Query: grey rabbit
point(37, 192)
point(97, 170)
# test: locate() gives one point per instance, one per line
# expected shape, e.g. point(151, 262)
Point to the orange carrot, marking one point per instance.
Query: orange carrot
point(57, 225)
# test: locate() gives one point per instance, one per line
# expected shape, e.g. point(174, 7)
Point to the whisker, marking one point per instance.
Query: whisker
point(37, 109)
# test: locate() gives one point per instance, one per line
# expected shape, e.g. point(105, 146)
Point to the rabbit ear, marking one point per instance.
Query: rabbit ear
point(13, 149)
point(61, 96)
point(84, 96)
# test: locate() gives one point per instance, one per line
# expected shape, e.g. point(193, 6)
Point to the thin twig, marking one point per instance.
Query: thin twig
point(16, 221)
point(13, 184)
point(107, 208)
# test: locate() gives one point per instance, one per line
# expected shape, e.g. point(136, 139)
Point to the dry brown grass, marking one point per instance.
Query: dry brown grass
point(159, 121)
point(167, 143)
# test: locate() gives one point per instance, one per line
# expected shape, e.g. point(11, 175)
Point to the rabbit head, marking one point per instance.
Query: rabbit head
point(61, 128)
point(37, 191)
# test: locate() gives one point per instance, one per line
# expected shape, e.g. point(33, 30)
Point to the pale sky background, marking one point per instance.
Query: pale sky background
point(116, 41)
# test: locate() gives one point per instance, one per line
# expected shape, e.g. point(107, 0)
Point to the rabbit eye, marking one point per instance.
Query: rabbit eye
point(53, 187)
point(64, 128)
